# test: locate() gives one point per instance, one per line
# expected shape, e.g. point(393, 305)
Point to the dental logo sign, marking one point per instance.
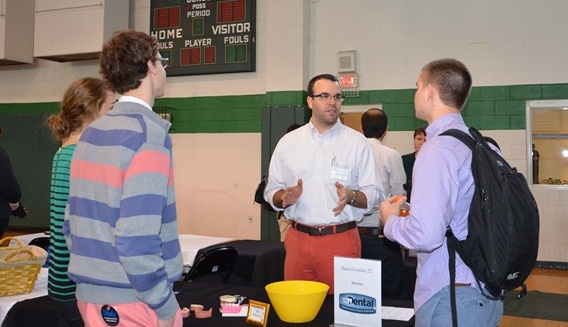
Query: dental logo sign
point(357, 303)
point(357, 292)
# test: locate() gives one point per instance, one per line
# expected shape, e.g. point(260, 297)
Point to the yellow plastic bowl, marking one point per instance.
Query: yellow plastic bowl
point(297, 301)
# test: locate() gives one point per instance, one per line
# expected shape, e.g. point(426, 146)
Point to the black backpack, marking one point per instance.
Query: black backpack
point(503, 224)
point(259, 194)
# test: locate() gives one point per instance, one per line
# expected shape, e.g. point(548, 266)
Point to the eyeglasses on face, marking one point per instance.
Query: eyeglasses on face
point(165, 61)
point(327, 97)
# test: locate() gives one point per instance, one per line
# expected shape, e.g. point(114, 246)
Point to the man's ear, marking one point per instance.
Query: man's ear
point(310, 101)
point(151, 67)
point(431, 91)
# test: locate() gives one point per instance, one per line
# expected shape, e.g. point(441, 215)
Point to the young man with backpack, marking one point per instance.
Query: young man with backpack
point(442, 192)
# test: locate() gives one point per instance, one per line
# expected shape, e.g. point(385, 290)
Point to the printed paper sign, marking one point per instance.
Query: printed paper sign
point(357, 295)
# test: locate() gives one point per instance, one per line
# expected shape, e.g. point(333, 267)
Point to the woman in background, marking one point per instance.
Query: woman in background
point(85, 100)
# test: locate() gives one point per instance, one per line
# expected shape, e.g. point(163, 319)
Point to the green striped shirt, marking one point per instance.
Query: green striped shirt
point(60, 287)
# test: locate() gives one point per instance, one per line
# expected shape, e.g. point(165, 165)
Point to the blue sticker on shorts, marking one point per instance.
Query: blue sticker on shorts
point(110, 316)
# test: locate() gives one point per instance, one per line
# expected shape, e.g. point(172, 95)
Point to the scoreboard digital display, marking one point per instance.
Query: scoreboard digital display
point(205, 36)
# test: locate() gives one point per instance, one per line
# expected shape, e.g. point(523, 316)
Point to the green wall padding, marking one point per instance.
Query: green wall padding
point(28, 142)
point(489, 108)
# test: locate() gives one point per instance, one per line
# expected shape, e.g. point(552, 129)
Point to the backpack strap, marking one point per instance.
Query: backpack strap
point(477, 135)
point(451, 239)
point(462, 136)
point(452, 265)
point(471, 142)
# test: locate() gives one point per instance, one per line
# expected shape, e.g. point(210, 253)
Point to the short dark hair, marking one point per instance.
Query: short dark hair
point(374, 123)
point(420, 130)
point(123, 60)
point(313, 81)
point(452, 79)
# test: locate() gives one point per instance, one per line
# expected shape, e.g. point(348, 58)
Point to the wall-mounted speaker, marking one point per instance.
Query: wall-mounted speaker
point(347, 61)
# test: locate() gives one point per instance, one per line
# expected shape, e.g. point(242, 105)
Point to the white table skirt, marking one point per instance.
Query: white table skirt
point(27, 238)
point(190, 244)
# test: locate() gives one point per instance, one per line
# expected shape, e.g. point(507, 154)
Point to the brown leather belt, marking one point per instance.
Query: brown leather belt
point(461, 284)
point(325, 230)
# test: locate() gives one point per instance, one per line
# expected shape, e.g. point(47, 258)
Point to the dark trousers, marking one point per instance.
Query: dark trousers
point(4, 226)
point(398, 279)
point(69, 315)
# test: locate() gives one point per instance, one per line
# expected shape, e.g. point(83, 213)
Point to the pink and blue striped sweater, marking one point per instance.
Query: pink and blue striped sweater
point(120, 221)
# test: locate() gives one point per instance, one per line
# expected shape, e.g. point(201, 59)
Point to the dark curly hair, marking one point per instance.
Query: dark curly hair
point(123, 60)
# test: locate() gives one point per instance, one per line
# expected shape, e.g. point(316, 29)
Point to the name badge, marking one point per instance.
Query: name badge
point(339, 172)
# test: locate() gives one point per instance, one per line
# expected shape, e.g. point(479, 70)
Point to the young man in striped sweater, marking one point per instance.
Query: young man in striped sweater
point(120, 222)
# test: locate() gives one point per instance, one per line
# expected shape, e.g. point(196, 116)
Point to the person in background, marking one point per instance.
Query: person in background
point(374, 245)
point(323, 176)
point(10, 192)
point(409, 159)
point(442, 191)
point(84, 101)
point(120, 222)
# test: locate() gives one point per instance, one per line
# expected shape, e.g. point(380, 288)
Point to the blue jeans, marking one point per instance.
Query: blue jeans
point(473, 309)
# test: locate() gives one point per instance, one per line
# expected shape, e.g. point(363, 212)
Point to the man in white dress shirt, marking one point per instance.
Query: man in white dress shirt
point(397, 280)
point(323, 176)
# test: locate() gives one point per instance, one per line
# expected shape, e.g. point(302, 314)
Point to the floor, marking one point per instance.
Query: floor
point(544, 280)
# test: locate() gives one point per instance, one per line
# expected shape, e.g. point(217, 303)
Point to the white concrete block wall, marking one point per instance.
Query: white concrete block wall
point(502, 42)
point(215, 179)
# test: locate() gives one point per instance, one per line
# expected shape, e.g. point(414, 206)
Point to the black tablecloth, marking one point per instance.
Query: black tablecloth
point(42, 312)
point(258, 262)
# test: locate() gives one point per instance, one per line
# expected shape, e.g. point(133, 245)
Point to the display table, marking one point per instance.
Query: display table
point(42, 312)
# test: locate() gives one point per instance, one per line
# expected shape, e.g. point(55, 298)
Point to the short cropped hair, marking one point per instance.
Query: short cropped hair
point(374, 123)
point(313, 81)
point(452, 79)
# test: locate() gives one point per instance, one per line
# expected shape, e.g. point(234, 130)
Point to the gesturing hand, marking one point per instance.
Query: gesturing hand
point(292, 194)
point(342, 201)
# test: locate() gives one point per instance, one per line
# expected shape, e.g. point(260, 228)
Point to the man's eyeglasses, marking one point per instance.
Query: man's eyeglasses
point(165, 62)
point(327, 97)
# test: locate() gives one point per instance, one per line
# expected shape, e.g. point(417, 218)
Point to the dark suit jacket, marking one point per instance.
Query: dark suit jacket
point(408, 163)
point(9, 187)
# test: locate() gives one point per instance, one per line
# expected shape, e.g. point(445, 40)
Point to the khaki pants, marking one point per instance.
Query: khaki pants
point(283, 224)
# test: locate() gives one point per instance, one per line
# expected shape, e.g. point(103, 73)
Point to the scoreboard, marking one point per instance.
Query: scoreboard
point(205, 36)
